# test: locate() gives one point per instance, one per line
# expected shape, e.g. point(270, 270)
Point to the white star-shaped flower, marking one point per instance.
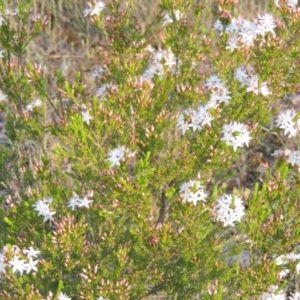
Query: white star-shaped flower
point(31, 265)
point(48, 216)
point(73, 202)
point(18, 265)
point(84, 202)
point(116, 155)
point(2, 96)
point(94, 10)
point(182, 124)
point(63, 296)
point(41, 207)
point(232, 43)
point(31, 252)
point(44, 210)
point(86, 117)
point(36, 103)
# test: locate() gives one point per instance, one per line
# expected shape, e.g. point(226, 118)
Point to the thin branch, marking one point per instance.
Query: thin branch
point(163, 209)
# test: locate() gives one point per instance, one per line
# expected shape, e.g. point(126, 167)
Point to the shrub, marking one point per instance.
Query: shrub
point(125, 191)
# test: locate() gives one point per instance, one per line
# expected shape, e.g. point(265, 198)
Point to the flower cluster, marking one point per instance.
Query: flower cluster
point(22, 261)
point(229, 209)
point(42, 207)
point(195, 119)
point(116, 155)
point(286, 258)
point(236, 135)
point(287, 121)
point(274, 292)
point(198, 118)
point(192, 191)
point(102, 91)
point(293, 157)
point(219, 92)
point(76, 201)
point(159, 60)
point(243, 33)
point(247, 77)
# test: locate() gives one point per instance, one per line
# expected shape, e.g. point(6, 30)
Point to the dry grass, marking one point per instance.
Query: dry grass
point(70, 43)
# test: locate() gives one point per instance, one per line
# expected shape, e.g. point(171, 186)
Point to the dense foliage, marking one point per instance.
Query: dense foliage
point(124, 192)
